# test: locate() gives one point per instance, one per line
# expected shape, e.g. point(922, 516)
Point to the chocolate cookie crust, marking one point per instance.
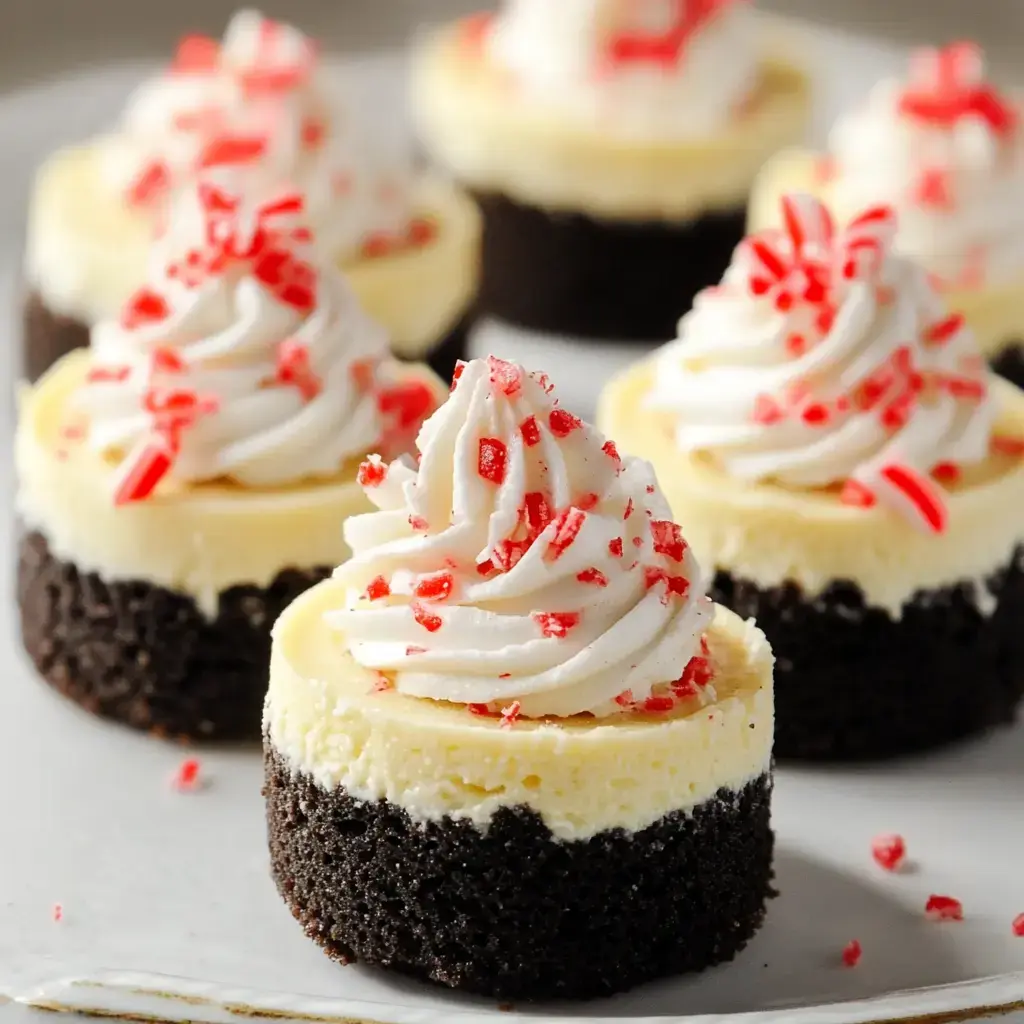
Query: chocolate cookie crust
point(148, 656)
point(512, 912)
point(47, 336)
point(1009, 364)
point(852, 683)
point(568, 273)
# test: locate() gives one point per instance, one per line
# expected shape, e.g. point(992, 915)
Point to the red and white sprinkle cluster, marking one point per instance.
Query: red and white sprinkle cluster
point(264, 64)
point(947, 91)
point(807, 268)
point(652, 549)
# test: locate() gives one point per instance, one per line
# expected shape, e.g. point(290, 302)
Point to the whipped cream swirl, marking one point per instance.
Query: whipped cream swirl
point(260, 100)
point(241, 360)
point(523, 568)
point(652, 68)
point(825, 359)
point(946, 150)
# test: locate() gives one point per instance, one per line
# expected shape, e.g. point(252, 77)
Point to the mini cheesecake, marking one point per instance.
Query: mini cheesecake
point(955, 180)
point(409, 247)
point(881, 587)
point(612, 168)
point(174, 498)
point(528, 760)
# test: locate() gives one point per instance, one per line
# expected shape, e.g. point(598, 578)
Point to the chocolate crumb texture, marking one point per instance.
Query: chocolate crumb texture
point(1009, 363)
point(853, 683)
point(47, 336)
point(568, 273)
point(511, 912)
point(147, 656)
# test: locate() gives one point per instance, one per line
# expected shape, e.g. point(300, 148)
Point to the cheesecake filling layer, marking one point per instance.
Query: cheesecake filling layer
point(495, 138)
point(87, 251)
point(198, 540)
point(769, 534)
point(993, 306)
point(328, 718)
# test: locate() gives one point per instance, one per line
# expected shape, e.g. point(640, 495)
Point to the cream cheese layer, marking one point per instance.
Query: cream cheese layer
point(331, 719)
point(772, 534)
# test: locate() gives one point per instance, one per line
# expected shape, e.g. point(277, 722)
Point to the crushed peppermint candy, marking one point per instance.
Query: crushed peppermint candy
point(944, 908)
point(852, 953)
point(187, 777)
point(510, 715)
point(889, 851)
point(556, 624)
point(58, 912)
point(1017, 926)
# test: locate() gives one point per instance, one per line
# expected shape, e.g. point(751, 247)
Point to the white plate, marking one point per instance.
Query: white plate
point(168, 908)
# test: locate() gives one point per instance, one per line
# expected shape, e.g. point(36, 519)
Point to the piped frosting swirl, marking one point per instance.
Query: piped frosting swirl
point(945, 148)
point(243, 359)
point(654, 68)
point(259, 100)
point(825, 359)
point(523, 568)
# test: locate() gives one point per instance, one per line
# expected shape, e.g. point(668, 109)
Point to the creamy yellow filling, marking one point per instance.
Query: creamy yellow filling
point(87, 251)
point(581, 775)
point(770, 534)
point(478, 126)
point(995, 312)
point(199, 540)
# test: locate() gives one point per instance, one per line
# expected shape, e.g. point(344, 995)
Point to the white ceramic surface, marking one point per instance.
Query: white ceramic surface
point(168, 910)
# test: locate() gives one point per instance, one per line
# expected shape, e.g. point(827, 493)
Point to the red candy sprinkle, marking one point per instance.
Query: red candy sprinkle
point(941, 332)
point(615, 547)
point(186, 778)
point(563, 423)
point(378, 588)
point(108, 374)
point(854, 493)
point(767, 411)
point(921, 493)
point(437, 587)
point(232, 150)
point(664, 48)
point(412, 401)
point(372, 472)
point(492, 461)
point(428, 620)
point(587, 501)
point(510, 715)
point(889, 851)
point(58, 911)
point(613, 453)
point(506, 378)
point(152, 182)
point(478, 709)
point(658, 705)
point(459, 367)
point(668, 539)
point(567, 529)
point(1018, 926)
point(594, 576)
point(946, 472)
point(144, 307)
point(629, 509)
point(537, 512)
point(556, 624)
point(944, 908)
point(1012, 446)
point(419, 523)
point(294, 367)
point(196, 54)
point(852, 953)
point(695, 677)
point(624, 699)
point(530, 431)
point(147, 465)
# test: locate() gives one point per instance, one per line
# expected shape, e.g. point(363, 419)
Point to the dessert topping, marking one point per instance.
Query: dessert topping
point(944, 908)
point(243, 358)
point(889, 851)
point(852, 953)
point(886, 386)
point(521, 541)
